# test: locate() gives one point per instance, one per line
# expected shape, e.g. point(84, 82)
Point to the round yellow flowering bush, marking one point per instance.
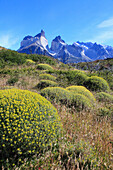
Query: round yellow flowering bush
point(64, 96)
point(45, 83)
point(82, 90)
point(96, 83)
point(47, 77)
point(104, 97)
point(28, 125)
point(44, 67)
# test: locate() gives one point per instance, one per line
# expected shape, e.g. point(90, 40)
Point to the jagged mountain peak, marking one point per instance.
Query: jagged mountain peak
point(58, 39)
point(42, 33)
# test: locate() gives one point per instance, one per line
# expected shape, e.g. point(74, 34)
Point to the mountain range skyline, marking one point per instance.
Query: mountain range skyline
point(74, 53)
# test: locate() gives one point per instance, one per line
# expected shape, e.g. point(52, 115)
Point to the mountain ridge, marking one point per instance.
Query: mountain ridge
point(77, 52)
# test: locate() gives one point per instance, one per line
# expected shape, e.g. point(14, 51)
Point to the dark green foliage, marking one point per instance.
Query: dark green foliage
point(71, 77)
point(76, 77)
point(2, 63)
point(46, 83)
point(42, 59)
point(104, 97)
point(96, 83)
point(10, 56)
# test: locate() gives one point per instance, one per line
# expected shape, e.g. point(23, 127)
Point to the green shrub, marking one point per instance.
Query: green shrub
point(47, 77)
point(62, 81)
point(76, 77)
point(46, 83)
point(44, 67)
point(96, 83)
point(82, 90)
point(10, 56)
point(62, 95)
point(70, 77)
point(28, 125)
point(57, 94)
point(79, 101)
point(104, 97)
point(42, 59)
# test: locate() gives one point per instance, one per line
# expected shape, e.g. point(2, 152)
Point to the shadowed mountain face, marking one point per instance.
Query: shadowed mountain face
point(77, 52)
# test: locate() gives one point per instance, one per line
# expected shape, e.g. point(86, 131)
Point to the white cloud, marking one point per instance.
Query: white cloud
point(105, 32)
point(7, 40)
point(106, 23)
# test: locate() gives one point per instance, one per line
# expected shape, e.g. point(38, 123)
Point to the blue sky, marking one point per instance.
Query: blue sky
point(74, 20)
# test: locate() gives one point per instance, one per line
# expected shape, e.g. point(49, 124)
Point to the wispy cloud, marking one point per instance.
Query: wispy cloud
point(106, 23)
point(7, 40)
point(103, 37)
point(104, 32)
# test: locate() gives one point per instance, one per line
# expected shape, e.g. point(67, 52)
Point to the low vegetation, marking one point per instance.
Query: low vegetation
point(56, 94)
point(46, 83)
point(101, 68)
point(82, 90)
point(44, 67)
point(68, 98)
point(47, 77)
point(68, 126)
point(105, 97)
point(96, 83)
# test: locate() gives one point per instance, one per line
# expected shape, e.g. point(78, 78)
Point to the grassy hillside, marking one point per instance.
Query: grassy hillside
point(67, 113)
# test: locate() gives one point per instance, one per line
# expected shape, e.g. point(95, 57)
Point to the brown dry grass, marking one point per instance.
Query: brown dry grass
point(89, 127)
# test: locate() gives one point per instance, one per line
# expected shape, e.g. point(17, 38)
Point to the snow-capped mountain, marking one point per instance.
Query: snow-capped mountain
point(77, 52)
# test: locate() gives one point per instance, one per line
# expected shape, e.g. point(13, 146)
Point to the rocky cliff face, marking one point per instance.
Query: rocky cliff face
point(77, 52)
